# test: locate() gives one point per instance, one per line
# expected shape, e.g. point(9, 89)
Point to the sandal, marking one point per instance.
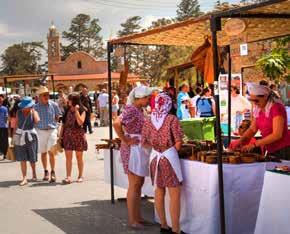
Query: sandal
point(165, 230)
point(146, 222)
point(23, 182)
point(34, 179)
point(80, 180)
point(46, 175)
point(66, 181)
point(52, 177)
point(136, 226)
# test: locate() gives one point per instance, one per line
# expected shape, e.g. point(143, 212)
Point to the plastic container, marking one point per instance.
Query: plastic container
point(199, 128)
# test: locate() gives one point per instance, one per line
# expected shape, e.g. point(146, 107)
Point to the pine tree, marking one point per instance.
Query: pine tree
point(187, 9)
point(130, 26)
point(83, 35)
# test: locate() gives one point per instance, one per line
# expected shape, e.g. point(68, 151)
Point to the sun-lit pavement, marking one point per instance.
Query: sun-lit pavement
point(41, 208)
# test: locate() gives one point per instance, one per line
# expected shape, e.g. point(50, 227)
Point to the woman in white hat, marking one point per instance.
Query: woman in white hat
point(25, 138)
point(271, 119)
point(128, 127)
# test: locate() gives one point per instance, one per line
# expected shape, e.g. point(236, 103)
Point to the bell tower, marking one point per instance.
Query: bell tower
point(53, 48)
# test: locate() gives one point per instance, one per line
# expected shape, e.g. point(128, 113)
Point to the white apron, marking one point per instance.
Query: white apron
point(139, 158)
point(172, 156)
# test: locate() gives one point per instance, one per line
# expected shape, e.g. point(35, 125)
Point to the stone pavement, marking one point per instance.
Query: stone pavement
point(41, 208)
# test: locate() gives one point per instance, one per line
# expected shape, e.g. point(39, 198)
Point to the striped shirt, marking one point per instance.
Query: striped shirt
point(47, 114)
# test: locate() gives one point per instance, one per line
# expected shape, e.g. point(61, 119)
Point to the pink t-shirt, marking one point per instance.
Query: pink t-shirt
point(264, 124)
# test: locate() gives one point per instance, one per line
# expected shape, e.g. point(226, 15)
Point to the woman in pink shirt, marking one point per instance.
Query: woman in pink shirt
point(271, 119)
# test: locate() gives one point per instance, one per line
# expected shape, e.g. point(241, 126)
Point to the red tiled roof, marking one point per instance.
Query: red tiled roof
point(99, 76)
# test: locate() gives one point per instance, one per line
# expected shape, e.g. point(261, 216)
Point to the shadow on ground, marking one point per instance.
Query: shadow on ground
point(7, 184)
point(93, 217)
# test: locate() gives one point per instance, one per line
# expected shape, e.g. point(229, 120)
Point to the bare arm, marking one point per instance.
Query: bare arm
point(36, 118)
point(80, 117)
point(178, 145)
point(250, 133)
point(120, 133)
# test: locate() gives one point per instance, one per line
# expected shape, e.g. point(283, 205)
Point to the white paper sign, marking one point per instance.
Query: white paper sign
point(244, 49)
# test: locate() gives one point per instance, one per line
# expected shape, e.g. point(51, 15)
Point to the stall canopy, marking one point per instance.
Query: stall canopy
point(260, 21)
point(263, 21)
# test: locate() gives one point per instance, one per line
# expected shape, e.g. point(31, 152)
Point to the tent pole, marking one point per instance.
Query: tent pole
point(229, 93)
point(215, 25)
point(109, 51)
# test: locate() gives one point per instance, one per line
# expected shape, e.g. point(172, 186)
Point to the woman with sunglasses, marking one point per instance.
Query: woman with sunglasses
point(271, 119)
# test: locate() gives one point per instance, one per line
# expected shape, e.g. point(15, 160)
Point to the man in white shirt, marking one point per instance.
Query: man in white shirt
point(103, 104)
point(198, 92)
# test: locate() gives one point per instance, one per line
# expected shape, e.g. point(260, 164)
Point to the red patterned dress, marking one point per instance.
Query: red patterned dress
point(161, 140)
point(74, 138)
point(132, 120)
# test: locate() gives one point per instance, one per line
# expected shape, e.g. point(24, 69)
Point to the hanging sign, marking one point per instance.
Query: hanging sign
point(234, 27)
point(119, 52)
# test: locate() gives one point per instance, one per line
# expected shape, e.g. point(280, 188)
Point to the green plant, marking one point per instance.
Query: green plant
point(275, 64)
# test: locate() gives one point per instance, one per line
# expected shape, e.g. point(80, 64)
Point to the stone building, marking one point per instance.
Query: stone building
point(79, 70)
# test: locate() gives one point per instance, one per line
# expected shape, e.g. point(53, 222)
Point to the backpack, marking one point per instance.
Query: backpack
point(204, 107)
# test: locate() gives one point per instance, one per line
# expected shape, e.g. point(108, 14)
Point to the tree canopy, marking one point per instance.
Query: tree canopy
point(83, 35)
point(187, 9)
point(22, 58)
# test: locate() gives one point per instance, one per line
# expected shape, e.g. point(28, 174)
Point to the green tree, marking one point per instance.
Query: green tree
point(131, 25)
point(83, 35)
point(22, 58)
point(187, 9)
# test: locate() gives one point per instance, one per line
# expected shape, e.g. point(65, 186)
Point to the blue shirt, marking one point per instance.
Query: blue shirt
point(179, 103)
point(47, 114)
point(3, 117)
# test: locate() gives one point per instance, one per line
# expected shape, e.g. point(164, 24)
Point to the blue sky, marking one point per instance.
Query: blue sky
point(27, 20)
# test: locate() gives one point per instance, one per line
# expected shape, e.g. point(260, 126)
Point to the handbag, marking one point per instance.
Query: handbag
point(11, 154)
point(18, 133)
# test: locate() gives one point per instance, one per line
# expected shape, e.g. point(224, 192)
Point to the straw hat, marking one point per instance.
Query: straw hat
point(42, 90)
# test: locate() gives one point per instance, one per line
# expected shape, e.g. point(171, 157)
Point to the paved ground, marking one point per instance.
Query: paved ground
point(77, 208)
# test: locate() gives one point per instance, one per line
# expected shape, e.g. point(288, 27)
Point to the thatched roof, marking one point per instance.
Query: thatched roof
point(263, 21)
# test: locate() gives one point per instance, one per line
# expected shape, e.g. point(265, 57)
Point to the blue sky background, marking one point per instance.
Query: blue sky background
point(27, 20)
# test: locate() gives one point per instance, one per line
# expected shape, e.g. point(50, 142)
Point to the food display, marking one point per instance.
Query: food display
point(114, 144)
point(206, 151)
point(283, 169)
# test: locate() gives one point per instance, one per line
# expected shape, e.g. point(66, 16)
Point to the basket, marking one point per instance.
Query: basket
point(234, 159)
point(248, 159)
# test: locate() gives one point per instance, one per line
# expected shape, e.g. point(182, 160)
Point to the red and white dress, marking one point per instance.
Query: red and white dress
point(161, 140)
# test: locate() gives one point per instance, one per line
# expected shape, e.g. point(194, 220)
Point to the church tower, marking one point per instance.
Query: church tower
point(53, 48)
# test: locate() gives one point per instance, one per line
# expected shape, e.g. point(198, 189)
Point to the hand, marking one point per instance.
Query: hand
point(131, 141)
point(77, 107)
point(248, 148)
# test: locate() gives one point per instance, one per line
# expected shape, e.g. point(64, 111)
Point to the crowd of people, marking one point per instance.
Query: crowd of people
point(43, 126)
point(149, 124)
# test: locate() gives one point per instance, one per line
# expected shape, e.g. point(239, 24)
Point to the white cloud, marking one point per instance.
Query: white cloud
point(4, 31)
point(147, 20)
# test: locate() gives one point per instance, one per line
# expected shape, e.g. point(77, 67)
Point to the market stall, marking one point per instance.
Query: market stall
point(274, 211)
point(243, 186)
point(273, 13)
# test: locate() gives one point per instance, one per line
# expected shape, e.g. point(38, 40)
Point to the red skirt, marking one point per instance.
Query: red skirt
point(75, 139)
point(166, 174)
